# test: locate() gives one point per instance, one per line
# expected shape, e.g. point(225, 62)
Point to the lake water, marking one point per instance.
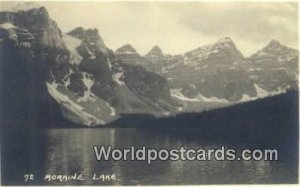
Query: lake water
point(69, 151)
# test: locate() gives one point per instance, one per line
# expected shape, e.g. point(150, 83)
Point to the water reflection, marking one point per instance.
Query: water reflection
point(70, 151)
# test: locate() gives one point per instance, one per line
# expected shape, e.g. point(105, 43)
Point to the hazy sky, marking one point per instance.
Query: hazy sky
point(181, 26)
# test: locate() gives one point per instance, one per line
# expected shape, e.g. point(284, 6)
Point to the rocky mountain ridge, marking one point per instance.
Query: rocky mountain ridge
point(219, 72)
point(75, 76)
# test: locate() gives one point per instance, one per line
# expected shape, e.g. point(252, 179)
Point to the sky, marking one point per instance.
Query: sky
point(178, 27)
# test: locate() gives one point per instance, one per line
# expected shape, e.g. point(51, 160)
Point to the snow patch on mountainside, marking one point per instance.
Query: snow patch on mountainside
point(7, 26)
point(92, 55)
point(117, 78)
point(72, 43)
point(126, 52)
point(177, 94)
point(246, 97)
point(67, 80)
point(281, 90)
point(113, 111)
point(88, 82)
point(166, 113)
point(210, 99)
point(261, 92)
point(201, 53)
point(73, 107)
point(109, 63)
point(204, 52)
point(254, 69)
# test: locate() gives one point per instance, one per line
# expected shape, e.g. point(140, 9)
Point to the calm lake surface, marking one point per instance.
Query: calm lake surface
point(70, 151)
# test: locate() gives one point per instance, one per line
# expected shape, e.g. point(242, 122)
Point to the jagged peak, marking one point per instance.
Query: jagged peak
point(225, 43)
point(277, 46)
point(37, 10)
point(35, 20)
point(127, 48)
point(90, 36)
point(155, 50)
point(81, 33)
point(76, 30)
point(33, 11)
point(274, 43)
point(21, 6)
point(31, 19)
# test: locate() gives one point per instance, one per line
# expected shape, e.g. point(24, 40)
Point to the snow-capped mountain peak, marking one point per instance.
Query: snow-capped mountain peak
point(225, 42)
point(275, 45)
point(223, 51)
point(274, 67)
point(280, 48)
point(276, 50)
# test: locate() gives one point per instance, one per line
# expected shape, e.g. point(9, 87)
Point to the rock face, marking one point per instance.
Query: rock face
point(274, 68)
point(82, 78)
point(38, 22)
point(28, 48)
point(215, 71)
point(222, 52)
point(219, 73)
point(208, 73)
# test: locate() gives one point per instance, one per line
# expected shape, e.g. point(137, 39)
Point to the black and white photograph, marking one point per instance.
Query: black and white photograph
point(97, 93)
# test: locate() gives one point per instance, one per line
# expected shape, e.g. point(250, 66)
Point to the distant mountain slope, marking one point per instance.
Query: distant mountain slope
point(218, 72)
point(274, 119)
point(211, 71)
point(274, 68)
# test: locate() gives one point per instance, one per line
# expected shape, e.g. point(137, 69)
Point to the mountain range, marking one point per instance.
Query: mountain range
point(48, 74)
